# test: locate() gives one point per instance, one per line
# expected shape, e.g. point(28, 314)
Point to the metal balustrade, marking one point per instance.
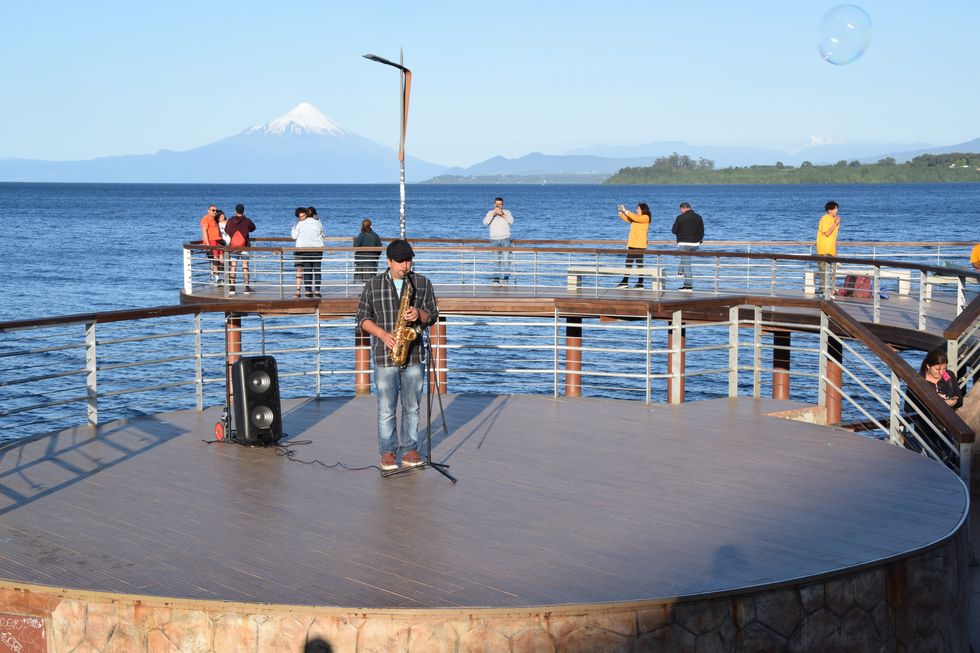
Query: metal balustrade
point(101, 367)
point(897, 287)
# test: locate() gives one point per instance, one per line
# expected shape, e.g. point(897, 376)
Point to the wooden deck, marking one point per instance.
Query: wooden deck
point(559, 501)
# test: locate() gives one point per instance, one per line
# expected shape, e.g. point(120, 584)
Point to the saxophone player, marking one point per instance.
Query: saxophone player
point(381, 312)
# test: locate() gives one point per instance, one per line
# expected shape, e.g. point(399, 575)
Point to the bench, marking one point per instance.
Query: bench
point(577, 272)
point(904, 277)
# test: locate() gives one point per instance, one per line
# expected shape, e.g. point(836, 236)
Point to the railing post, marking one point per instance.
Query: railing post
point(554, 358)
point(362, 363)
point(717, 273)
point(894, 436)
point(922, 300)
point(233, 349)
point(316, 331)
point(573, 357)
point(282, 277)
point(188, 280)
point(960, 295)
point(772, 277)
point(822, 361)
point(876, 296)
point(91, 375)
point(953, 356)
point(757, 352)
point(198, 364)
point(648, 385)
point(733, 351)
point(781, 341)
point(437, 339)
point(835, 378)
point(675, 359)
point(966, 462)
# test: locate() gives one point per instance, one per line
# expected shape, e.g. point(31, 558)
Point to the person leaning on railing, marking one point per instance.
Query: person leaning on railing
point(308, 233)
point(366, 262)
point(689, 230)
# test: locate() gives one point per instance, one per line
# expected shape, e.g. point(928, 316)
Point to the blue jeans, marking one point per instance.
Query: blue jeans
point(501, 266)
point(391, 382)
point(685, 264)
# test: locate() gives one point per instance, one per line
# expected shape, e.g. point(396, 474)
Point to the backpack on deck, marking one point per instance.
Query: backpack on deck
point(857, 286)
point(862, 288)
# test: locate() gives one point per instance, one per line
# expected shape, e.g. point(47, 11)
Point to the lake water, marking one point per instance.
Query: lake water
point(69, 248)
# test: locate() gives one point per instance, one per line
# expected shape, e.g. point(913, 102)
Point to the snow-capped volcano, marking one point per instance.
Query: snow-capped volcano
point(302, 146)
point(304, 119)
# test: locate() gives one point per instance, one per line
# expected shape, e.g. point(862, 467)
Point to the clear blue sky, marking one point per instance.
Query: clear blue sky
point(87, 79)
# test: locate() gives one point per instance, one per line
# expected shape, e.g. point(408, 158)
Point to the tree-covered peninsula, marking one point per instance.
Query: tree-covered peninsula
point(927, 168)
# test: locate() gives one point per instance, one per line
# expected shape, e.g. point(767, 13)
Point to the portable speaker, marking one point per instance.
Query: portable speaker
point(258, 413)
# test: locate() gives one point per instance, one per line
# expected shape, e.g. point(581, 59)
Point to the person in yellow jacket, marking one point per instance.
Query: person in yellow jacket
point(975, 257)
point(827, 231)
point(639, 228)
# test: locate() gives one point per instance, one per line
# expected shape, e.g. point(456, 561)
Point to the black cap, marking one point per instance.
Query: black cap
point(685, 205)
point(399, 250)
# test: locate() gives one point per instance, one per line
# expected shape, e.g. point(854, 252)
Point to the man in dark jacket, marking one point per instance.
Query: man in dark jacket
point(689, 229)
point(238, 229)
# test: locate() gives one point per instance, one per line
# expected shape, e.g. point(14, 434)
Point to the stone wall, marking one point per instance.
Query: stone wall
point(916, 604)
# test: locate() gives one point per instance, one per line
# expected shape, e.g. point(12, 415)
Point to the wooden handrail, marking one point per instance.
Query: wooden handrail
point(257, 306)
point(873, 262)
point(846, 324)
point(963, 321)
point(619, 241)
point(924, 393)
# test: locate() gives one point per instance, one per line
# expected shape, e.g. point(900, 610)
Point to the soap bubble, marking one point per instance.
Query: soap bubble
point(845, 32)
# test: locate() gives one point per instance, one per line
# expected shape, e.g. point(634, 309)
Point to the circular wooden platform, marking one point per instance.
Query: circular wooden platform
point(578, 507)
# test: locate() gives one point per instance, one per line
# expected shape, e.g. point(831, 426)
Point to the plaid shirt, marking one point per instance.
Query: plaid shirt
point(379, 303)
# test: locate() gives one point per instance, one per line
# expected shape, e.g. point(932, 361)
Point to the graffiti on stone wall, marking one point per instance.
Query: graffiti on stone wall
point(20, 634)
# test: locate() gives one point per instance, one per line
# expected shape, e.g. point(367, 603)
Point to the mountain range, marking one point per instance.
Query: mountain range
point(606, 159)
point(302, 146)
point(305, 146)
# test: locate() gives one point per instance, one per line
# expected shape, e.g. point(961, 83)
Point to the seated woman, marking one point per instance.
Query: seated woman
point(934, 370)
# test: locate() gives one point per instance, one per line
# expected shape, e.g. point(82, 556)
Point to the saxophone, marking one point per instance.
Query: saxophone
point(404, 334)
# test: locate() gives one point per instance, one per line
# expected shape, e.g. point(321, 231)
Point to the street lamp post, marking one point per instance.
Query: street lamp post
point(406, 87)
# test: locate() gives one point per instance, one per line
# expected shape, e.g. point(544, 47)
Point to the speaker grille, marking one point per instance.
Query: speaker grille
point(259, 382)
point(262, 416)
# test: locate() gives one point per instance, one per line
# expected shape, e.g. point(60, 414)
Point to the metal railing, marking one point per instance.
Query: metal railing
point(898, 288)
point(100, 367)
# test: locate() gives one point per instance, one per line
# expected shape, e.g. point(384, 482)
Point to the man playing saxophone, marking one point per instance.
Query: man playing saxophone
point(391, 318)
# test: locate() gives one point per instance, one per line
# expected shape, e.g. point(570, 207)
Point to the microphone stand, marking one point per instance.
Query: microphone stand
point(432, 376)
